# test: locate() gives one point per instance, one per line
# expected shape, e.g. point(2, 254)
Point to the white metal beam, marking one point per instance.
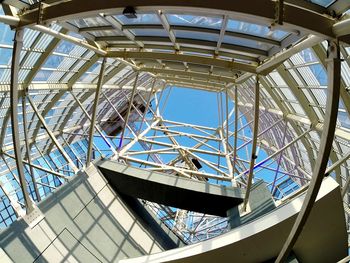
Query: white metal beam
point(28, 149)
point(94, 112)
point(330, 121)
point(188, 73)
point(254, 142)
point(17, 47)
point(275, 61)
point(167, 28)
point(201, 60)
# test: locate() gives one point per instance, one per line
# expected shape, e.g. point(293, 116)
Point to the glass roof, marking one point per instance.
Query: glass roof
point(178, 56)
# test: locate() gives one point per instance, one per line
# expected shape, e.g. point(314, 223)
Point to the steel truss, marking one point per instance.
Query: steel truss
point(47, 150)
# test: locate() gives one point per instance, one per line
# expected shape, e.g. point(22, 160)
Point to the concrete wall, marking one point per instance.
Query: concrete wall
point(83, 221)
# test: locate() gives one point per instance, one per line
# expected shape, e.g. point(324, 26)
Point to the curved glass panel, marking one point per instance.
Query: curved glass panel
point(254, 29)
point(193, 20)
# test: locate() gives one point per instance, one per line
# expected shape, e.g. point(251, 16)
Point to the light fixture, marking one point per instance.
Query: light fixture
point(130, 12)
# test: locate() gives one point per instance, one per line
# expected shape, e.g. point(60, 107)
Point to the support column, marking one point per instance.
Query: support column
point(226, 146)
point(16, 54)
point(235, 137)
point(94, 112)
point(28, 156)
point(254, 141)
point(330, 120)
point(226, 152)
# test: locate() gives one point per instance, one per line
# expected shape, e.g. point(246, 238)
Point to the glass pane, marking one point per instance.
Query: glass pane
point(89, 22)
point(254, 29)
point(65, 47)
point(141, 19)
point(324, 3)
point(149, 32)
point(198, 21)
point(42, 75)
point(5, 56)
point(319, 73)
point(6, 36)
point(196, 35)
point(53, 61)
point(102, 33)
point(246, 42)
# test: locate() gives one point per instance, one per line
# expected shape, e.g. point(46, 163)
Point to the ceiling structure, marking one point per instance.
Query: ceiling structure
point(75, 65)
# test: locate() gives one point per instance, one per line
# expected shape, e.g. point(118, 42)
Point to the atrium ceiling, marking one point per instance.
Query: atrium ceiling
point(67, 66)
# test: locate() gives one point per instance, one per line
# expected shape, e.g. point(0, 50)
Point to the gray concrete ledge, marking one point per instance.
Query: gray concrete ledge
point(171, 190)
point(324, 237)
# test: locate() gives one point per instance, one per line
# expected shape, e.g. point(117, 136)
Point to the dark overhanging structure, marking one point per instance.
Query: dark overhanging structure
point(172, 190)
point(86, 74)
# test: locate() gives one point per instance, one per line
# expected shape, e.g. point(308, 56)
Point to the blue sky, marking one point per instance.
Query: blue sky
point(192, 106)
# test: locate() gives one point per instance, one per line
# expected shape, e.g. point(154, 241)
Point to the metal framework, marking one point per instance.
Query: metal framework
point(98, 85)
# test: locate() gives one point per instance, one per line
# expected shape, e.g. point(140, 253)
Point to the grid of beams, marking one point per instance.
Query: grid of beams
point(61, 69)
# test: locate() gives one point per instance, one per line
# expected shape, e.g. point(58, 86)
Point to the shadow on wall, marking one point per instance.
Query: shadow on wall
point(85, 221)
